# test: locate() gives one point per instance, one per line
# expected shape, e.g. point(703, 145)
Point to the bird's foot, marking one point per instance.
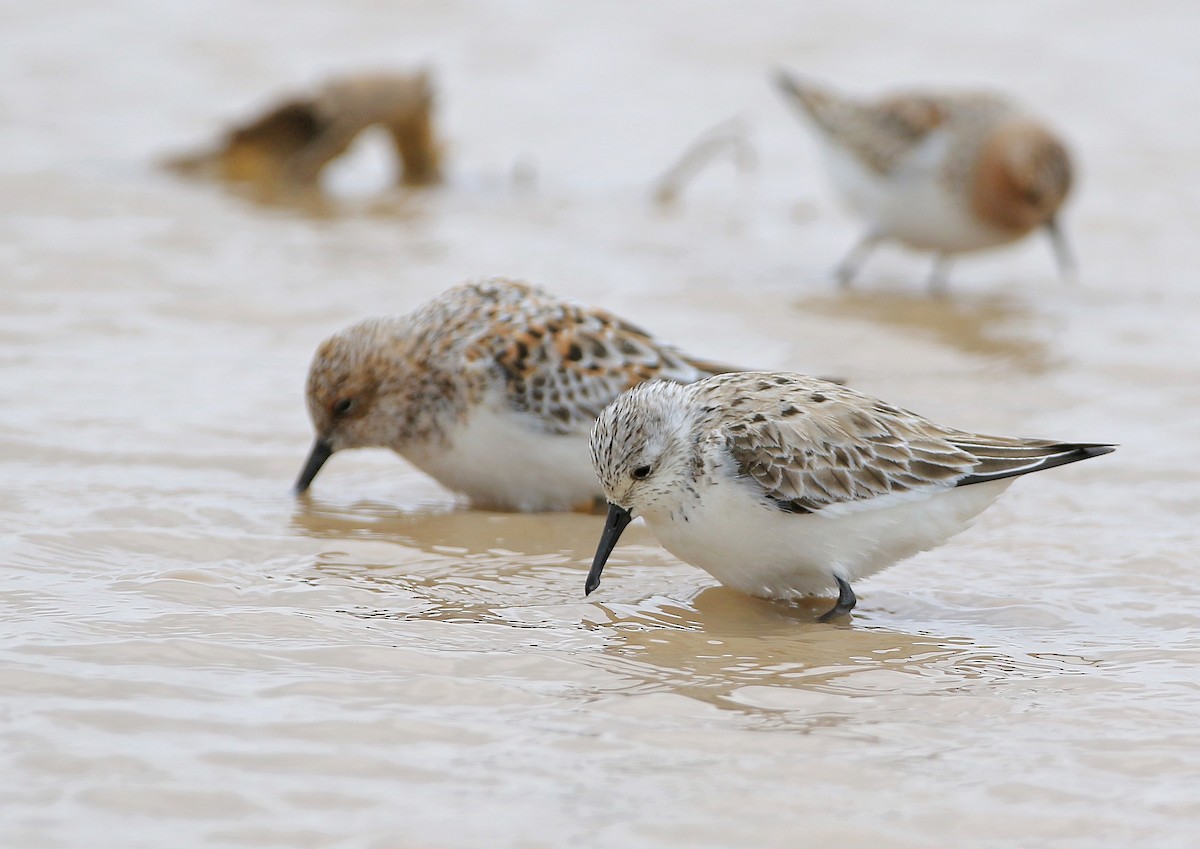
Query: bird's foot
point(845, 601)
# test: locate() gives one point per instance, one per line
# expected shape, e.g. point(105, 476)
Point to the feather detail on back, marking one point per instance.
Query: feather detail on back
point(880, 134)
point(811, 444)
point(563, 363)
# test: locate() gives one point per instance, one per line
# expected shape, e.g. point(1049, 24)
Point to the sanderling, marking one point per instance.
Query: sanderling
point(491, 388)
point(942, 172)
point(782, 485)
point(292, 142)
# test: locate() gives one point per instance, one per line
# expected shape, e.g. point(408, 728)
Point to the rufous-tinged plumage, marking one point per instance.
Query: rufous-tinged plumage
point(949, 173)
point(491, 388)
point(782, 485)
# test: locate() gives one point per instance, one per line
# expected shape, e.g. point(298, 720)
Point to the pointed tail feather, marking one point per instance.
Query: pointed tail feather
point(800, 93)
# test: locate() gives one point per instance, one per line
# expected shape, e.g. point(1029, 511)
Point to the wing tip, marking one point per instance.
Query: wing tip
point(710, 368)
point(783, 78)
point(1059, 455)
point(793, 86)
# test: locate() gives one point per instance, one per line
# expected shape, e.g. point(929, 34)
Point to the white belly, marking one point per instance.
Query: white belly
point(912, 204)
point(499, 460)
point(763, 551)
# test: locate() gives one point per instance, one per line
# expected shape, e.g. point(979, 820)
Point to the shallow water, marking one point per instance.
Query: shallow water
point(191, 656)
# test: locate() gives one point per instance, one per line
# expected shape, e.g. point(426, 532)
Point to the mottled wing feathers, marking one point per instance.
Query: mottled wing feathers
point(879, 134)
point(810, 444)
point(882, 133)
point(564, 363)
point(908, 116)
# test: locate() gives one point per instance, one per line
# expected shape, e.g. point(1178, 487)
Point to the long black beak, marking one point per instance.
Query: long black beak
point(618, 518)
point(1062, 250)
point(321, 451)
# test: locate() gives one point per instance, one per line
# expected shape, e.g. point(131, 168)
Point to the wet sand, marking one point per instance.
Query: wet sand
point(193, 657)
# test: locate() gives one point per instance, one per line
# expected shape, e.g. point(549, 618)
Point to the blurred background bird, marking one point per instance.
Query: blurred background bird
point(944, 172)
point(491, 388)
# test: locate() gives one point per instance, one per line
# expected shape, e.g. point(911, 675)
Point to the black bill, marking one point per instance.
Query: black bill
point(1062, 249)
point(321, 451)
point(618, 518)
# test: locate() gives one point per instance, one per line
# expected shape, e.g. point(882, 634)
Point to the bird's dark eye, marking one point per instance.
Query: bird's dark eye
point(641, 473)
point(343, 406)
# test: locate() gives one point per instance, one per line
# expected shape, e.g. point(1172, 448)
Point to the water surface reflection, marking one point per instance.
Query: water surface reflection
point(769, 659)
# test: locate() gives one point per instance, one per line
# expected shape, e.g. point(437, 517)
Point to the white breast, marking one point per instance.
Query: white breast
point(763, 551)
point(913, 204)
point(499, 459)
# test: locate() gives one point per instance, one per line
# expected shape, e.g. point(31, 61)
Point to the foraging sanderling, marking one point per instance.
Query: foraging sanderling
point(782, 485)
point(942, 172)
point(491, 388)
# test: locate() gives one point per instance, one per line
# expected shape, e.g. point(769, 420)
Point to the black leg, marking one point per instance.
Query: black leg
point(849, 266)
point(939, 276)
point(845, 602)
